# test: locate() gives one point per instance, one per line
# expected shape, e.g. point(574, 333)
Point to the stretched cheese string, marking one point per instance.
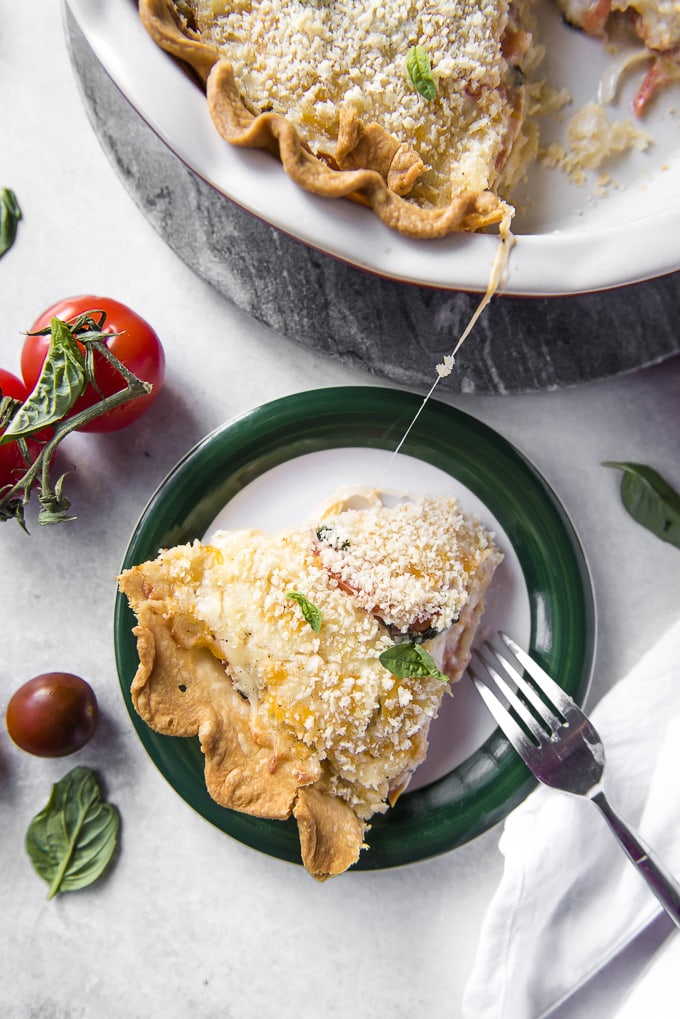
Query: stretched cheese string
point(498, 267)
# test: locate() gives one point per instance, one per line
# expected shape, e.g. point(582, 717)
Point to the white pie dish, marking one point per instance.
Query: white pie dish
point(569, 239)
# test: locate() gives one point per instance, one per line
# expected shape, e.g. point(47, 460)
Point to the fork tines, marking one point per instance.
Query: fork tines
point(522, 697)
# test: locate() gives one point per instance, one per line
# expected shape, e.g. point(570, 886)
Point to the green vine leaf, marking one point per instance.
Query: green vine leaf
point(61, 382)
point(311, 613)
point(10, 214)
point(54, 505)
point(406, 661)
point(650, 500)
point(72, 840)
point(420, 72)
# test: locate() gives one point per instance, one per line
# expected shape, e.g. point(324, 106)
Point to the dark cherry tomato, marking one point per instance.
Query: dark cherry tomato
point(12, 463)
point(137, 347)
point(52, 715)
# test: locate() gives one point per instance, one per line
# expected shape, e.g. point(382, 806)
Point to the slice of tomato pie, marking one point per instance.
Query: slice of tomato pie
point(310, 662)
point(416, 109)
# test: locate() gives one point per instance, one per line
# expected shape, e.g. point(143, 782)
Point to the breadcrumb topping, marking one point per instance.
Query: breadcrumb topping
point(410, 564)
point(307, 59)
point(328, 688)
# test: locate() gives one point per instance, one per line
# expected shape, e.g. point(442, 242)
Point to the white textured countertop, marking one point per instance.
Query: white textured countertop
point(188, 921)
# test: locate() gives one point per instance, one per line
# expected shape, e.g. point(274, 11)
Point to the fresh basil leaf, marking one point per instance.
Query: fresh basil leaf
point(329, 536)
point(10, 214)
point(410, 660)
point(71, 841)
point(62, 380)
point(650, 500)
point(420, 72)
point(309, 610)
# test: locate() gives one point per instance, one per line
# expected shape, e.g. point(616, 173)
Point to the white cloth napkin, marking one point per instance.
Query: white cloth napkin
point(569, 900)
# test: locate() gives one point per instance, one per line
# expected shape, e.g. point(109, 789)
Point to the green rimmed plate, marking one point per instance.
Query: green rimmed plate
point(271, 467)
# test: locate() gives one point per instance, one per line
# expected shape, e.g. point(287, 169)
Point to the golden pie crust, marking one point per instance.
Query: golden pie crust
point(368, 165)
point(179, 689)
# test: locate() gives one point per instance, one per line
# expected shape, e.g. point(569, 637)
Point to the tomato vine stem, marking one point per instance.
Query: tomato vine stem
point(55, 386)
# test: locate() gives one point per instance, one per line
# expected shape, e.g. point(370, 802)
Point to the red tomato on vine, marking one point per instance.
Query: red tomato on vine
point(136, 346)
point(11, 459)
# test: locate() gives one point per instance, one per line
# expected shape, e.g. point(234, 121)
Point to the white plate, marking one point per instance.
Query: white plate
point(569, 240)
point(273, 500)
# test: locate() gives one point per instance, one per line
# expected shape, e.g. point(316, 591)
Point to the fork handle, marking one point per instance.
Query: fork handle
point(664, 886)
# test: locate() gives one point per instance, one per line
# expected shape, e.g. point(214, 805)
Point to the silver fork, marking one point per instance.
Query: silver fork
point(558, 743)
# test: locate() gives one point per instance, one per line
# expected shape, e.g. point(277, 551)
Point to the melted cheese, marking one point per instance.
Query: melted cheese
point(496, 275)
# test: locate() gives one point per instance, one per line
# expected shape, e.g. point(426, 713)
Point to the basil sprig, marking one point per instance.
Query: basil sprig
point(69, 367)
point(71, 841)
point(10, 214)
point(420, 72)
point(406, 661)
point(650, 500)
point(310, 612)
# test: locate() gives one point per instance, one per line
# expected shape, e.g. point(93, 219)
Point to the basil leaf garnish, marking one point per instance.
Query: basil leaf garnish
point(71, 841)
point(62, 380)
point(406, 661)
point(310, 611)
point(420, 72)
point(10, 214)
point(650, 500)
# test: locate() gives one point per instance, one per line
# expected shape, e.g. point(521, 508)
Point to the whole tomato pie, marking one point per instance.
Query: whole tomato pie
point(414, 108)
point(425, 111)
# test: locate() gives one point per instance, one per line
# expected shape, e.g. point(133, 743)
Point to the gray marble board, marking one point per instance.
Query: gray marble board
point(396, 330)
